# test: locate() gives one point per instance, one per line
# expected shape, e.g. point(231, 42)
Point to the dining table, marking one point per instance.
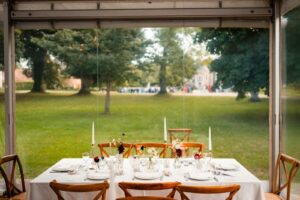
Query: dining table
point(212, 172)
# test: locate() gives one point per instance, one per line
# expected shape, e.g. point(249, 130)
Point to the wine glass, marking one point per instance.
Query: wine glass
point(85, 159)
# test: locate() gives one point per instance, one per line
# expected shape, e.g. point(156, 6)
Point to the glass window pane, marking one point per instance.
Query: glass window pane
point(291, 90)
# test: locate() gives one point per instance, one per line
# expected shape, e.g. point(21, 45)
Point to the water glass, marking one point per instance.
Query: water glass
point(85, 159)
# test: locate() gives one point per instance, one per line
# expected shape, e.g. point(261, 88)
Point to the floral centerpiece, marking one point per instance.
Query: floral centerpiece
point(176, 147)
point(152, 153)
point(119, 144)
point(197, 157)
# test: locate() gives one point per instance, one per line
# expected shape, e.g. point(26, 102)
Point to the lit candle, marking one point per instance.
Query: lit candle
point(93, 133)
point(209, 140)
point(165, 129)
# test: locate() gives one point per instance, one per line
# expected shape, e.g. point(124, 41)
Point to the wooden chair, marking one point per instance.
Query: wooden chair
point(182, 134)
point(103, 152)
point(101, 187)
point(186, 146)
point(145, 198)
point(125, 186)
point(231, 189)
point(162, 146)
point(284, 162)
point(12, 191)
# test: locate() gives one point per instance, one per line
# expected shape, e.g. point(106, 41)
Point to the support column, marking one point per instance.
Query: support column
point(9, 68)
point(275, 90)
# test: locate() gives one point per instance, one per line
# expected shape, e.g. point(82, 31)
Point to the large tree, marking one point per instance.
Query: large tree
point(243, 62)
point(106, 56)
point(36, 56)
point(174, 64)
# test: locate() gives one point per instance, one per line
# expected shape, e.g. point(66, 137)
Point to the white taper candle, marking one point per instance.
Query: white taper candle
point(165, 129)
point(209, 140)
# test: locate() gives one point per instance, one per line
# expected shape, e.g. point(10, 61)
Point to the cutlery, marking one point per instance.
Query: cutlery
point(215, 178)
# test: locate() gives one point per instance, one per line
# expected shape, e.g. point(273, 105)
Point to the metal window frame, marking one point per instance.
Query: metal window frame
point(12, 17)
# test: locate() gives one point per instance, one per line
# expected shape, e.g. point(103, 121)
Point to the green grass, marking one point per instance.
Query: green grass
point(58, 125)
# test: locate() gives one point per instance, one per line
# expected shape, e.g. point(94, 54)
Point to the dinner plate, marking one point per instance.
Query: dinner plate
point(97, 176)
point(227, 166)
point(147, 175)
point(200, 176)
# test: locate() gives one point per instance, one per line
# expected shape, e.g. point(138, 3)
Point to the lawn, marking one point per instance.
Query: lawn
point(57, 125)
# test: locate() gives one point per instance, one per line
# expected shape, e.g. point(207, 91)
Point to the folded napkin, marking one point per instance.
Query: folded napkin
point(200, 176)
point(147, 175)
point(97, 176)
point(61, 168)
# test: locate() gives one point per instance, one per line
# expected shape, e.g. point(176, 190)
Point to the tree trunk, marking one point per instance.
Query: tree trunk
point(85, 85)
point(162, 78)
point(38, 65)
point(107, 98)
point(254, 97)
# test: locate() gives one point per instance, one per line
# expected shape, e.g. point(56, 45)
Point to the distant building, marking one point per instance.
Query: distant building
point(203, 80)
point(19, 77)
point(74, 83)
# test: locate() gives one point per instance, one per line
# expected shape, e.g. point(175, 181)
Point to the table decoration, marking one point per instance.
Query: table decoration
point(176, 146)
point(152, 155)
point(197, 158)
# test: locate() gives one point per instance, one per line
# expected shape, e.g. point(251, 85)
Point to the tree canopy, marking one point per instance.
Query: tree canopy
point(174, 64)
point(243, 62)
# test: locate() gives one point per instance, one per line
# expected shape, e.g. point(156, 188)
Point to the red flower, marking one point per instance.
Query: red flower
point(197, 156)
point(179, 152)
point(96, 159)
point(121, 149)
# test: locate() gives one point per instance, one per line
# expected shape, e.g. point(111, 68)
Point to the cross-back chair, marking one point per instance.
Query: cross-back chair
point(145, 198)
point(161, 146)
point(125, 186)
point(183, 134)
point(187, 146)
point(231, 189)
point(96, 187)
point(283, 162)
point(104, 153)
point(12, 191)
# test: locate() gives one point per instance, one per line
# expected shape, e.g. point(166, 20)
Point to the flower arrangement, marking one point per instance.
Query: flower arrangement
point(119, 144)
point(197, 156)
point(176, 146)
point(141, 150)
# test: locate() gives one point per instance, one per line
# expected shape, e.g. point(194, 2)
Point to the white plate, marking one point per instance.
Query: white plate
point(147, 175)
point(97, 176)
point(227, 166)
point(200, 176)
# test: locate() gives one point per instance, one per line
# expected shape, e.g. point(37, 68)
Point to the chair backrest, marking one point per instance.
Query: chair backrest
point(186, 146)
point(101, 187)
point(125, 186)
point(11, 161)
point(183, 134)
point(145, 198)
point(231, 189)
point(285, 162)
point(161, 146)
point(103, 152)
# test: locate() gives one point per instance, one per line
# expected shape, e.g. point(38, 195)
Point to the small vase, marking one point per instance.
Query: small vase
point(199, 164)
point(119, 164)
point(151, 164)
point(177, 163)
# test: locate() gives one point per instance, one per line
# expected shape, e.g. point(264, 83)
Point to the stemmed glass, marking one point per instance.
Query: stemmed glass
point(85, 159)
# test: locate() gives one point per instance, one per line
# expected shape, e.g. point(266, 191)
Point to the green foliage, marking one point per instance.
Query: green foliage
point(292, 39)
point(175, 65)
point(243, 62)
point(36, 55)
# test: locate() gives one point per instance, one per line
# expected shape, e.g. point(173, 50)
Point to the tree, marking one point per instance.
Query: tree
point(292, 58)
point(120, 53)
point(174, 65)
point(36, 55)
point(76, 49)
point(106, 56)
point(243, 61)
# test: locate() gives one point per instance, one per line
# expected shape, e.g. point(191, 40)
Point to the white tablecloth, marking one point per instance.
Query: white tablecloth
point(251, 188)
